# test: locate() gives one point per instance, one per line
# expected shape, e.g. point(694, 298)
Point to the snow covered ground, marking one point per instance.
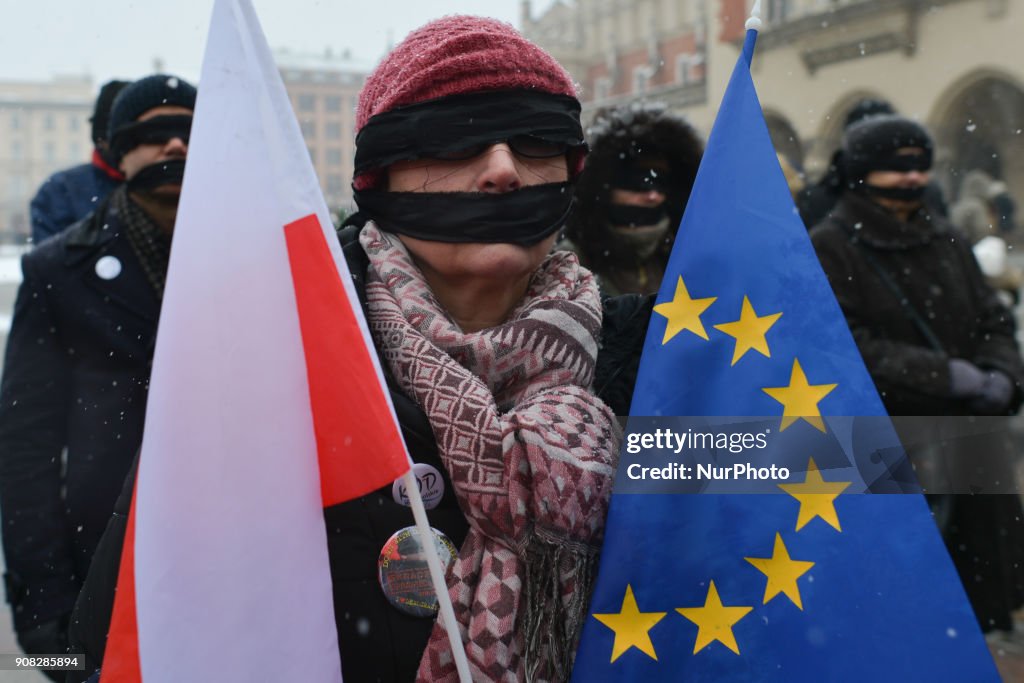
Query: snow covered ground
point(10, 267)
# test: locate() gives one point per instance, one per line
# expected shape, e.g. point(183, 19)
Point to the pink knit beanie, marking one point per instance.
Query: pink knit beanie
point(459, 54)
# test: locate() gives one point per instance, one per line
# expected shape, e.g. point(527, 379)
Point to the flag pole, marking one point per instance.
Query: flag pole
point(754, 21)
point(447, 612)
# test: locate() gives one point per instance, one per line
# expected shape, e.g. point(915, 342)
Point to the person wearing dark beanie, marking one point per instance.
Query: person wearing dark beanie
point(148, 132)
point(817, 201)
point(888, 143)
point(935, 337)
point(71, 194)
point(100, 119)
point(73, 393)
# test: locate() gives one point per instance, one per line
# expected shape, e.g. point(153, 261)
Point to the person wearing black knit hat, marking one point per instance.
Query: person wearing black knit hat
point(934, 336)
point(888, 158)
point(817, 201)
point(148, 132)
point(631, 195)
point(78, 362)
point(71, 194)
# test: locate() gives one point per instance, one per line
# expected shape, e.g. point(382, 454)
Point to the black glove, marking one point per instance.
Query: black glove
point(47, 638)
point(966, 380)
point(995, 395)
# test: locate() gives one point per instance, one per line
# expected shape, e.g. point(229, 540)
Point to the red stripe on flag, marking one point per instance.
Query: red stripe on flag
point(358, 443)
point(121, 657)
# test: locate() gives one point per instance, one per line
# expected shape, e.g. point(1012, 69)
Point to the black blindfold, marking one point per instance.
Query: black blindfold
point(641, 179)
point(903, 163)
point(155, 131)
point(447, 127)
point(525, 216)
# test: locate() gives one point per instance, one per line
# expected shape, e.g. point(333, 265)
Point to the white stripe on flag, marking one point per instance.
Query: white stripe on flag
point(231, 568)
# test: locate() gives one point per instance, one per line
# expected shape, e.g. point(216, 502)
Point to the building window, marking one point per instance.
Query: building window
point(16, 187)
point(312, 155)
point(778, 11)
point(332, 103)
point(307, 103)
point(16, 150)
point(333, 130)
point(308, 129)
point(74, 151)
point(50, 152)
point(48, 122)
point(641, 80)
point(74, 123)
point(18, 223)
point(15, 121)
point(334, 184)
point(602, 88)
point(334, 156)
point(683, 69)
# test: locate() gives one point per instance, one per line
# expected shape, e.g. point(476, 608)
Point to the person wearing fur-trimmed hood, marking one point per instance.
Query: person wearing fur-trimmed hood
point(631, 195)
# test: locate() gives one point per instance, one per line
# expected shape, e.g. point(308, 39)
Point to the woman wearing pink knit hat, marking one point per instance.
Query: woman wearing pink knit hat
point(469, 140)
point(506, 368)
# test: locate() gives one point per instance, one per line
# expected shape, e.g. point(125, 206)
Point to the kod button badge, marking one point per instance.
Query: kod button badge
point(403, 572)
point(108, 267)
point(430, 482)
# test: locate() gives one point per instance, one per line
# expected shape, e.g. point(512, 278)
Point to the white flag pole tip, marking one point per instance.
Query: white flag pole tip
point(754, 22)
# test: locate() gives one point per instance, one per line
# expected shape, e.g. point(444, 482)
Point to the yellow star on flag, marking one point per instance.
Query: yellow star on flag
point(683, 313)
point(782, 572)
point(749, 331)
point(631, 627)
point(714, 621)
point(816, 496)
point(800, 399)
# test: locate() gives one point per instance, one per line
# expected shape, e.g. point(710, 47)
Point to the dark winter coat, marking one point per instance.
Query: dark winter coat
point(75, 378)
point(934, 267)
point(68, 196)
point(376, 641)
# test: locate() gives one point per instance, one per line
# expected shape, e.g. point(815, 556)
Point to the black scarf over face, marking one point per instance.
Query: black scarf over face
point(524, 216)
point(447, 125)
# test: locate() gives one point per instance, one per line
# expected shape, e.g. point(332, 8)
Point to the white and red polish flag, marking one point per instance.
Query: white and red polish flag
point(265, 403)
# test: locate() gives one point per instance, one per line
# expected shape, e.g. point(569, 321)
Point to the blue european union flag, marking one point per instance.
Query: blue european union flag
point(816, 582)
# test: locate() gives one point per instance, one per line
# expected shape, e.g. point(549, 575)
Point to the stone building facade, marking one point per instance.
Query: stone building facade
point(324, 90)
point(44, 127)
point(955, 65)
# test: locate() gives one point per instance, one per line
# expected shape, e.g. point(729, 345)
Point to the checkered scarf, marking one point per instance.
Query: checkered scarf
point(149, 242)
point(531, 454)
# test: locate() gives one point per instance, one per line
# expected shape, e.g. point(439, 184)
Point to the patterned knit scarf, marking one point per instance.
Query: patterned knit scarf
point(149, 242)
point(531, 454)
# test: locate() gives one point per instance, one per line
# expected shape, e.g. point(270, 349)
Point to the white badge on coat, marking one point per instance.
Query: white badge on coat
point(108, 267)
point(431, 485)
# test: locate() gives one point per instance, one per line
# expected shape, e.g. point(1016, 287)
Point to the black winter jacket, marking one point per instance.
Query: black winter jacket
point(75, 376)
point(376, 641)
point(933, 266)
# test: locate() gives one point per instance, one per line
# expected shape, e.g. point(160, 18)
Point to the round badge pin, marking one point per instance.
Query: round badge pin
point(430, 482)
point(403, 573)
point(108, 267)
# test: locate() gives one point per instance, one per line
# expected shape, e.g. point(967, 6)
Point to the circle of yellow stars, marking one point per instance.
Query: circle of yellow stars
point(714, 619)
point(799, 398)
